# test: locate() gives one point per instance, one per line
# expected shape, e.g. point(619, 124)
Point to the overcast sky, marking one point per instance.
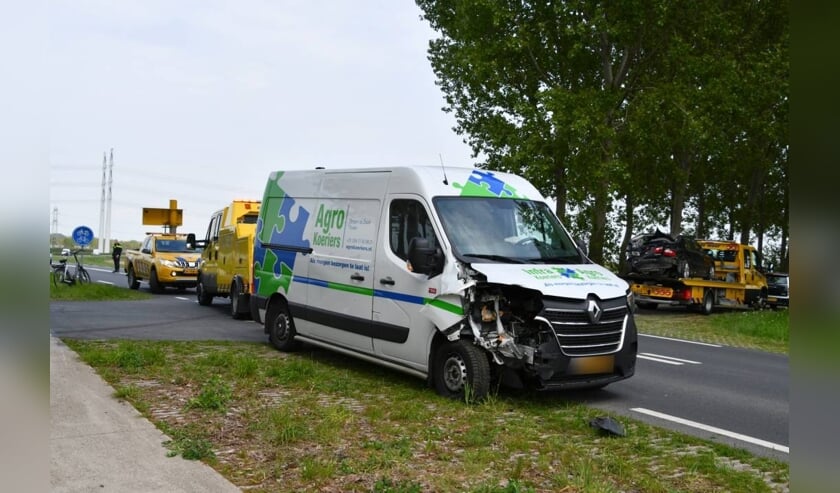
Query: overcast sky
point(200, 100)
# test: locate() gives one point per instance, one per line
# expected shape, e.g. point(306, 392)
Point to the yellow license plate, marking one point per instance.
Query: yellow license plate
point(772, 298)
point(191, 271)
point(658, 292)
point(591, 364)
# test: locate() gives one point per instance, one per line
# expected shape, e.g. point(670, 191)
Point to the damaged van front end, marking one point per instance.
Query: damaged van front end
point(548, 317)
point(538, 333)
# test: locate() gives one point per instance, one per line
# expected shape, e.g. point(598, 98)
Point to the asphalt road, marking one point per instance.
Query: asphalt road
point(724, 394)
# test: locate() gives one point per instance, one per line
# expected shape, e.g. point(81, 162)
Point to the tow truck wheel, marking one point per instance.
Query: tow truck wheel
point(204, 299)
point(708, 303)
point(133, 283)
point(236, 301)
point(461, 371)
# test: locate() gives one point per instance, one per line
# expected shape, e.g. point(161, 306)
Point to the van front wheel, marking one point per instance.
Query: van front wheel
point(461, 371)
point(281, 329)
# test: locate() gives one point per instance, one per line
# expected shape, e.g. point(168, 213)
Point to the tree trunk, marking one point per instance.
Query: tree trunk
point(599, 224)
point(629, 225)
point(749, 212)
point(783, 253)
point(678, 192)
point(562, 191)
point(700, 228)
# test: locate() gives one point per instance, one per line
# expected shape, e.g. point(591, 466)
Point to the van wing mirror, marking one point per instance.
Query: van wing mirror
point(423, 258)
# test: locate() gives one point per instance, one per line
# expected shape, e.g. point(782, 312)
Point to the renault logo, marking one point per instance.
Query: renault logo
point(594, 310)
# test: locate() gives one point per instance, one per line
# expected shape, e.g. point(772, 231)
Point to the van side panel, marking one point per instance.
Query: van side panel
point(340, 284)
point(281, 246)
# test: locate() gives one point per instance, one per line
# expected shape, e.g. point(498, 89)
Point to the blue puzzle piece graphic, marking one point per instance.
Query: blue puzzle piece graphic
point(489, 181)
point(284, 231)
point(291, 235)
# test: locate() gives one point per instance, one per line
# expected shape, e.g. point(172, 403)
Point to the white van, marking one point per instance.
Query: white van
point(461, 276)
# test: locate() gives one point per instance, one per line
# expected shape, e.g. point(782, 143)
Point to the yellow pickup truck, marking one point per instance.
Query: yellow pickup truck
point(163, 260)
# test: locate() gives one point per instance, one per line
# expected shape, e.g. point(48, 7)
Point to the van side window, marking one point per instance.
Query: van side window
point(408, 219)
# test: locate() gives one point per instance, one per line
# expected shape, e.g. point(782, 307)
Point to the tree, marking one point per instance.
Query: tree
point(644, 104)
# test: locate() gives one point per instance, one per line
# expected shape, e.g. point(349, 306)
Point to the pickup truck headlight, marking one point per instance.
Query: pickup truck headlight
point(170, 263)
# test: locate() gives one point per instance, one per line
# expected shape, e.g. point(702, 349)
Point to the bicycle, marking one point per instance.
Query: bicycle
point(62, 272)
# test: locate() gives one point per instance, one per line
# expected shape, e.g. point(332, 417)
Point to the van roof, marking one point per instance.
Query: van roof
point(435, 181)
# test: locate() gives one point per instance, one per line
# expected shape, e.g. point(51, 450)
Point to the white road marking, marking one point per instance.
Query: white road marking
point(105, 282)
point(671, 358)
point(712, 429)
point(641, 356)
point(682, 340)
point(182, 298)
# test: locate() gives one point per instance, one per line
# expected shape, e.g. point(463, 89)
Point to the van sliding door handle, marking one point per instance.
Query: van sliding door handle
point(357, 277)
point(387, 280)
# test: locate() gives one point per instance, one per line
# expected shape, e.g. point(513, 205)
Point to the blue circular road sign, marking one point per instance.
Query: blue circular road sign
point(82, 235)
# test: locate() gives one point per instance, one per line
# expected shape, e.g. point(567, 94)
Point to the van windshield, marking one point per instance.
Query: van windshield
point(505, 230)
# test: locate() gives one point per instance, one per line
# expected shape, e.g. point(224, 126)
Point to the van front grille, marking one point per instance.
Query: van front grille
point(580, 333)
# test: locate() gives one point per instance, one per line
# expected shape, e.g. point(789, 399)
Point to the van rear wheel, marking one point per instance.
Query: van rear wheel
point(461, 371)
point(280, 327)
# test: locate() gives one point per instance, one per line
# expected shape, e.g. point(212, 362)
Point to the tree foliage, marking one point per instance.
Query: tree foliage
point(630, 114)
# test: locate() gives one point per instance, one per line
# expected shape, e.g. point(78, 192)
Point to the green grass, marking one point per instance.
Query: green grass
point(93, 292)
point(315, 420)
point(214, 395)
point(766, 330)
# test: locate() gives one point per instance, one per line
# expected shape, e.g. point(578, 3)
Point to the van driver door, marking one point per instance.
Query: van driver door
point(400, 333)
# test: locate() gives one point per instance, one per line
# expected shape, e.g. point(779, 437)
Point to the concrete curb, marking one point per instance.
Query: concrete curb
point(98, 443)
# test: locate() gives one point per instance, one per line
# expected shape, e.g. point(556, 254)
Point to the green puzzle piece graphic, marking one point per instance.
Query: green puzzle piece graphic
point(269, 284)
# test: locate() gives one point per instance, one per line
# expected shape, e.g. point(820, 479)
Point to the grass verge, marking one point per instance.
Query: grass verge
point(766, 330)
point(317, 421)
point(93, 292)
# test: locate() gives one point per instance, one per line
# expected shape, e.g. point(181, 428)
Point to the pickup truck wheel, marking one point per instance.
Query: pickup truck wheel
point(281, 328)
point(461, 371)
point(133, 283)
point(154, 283)
point(204, 299)
point(708, 303)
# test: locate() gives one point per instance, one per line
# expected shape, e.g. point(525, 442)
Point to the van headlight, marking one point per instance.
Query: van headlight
point(631, 302)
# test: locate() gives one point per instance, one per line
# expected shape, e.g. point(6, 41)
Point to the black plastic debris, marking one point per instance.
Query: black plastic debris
point(607, 425)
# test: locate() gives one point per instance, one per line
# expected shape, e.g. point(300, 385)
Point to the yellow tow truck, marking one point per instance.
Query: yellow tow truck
point(226, 266)
point(737, 283)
